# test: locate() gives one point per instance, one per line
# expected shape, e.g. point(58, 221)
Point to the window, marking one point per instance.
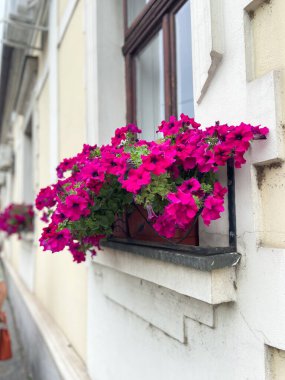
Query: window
point(159, 82)
point(158, 55)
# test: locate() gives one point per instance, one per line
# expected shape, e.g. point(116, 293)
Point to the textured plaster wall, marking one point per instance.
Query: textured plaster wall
point(276, 364)
point(60, 284)
point(269, 54)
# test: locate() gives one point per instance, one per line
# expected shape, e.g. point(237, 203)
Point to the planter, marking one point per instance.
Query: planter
point(134, 226)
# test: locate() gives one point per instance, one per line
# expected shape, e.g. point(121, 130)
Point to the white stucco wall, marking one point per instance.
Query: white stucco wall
point(139, 329)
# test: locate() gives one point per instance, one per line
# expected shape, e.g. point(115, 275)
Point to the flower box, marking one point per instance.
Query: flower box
point(135, 226)
point(164, 185)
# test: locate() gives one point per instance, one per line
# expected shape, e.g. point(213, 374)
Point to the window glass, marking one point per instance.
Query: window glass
point(185, 101)
point(150, 87)
point(134, 7)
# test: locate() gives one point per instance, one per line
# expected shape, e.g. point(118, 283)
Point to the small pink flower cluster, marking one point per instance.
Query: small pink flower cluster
point(17, 218)
point(173, 178)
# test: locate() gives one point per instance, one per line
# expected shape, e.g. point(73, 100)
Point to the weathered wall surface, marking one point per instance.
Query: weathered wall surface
point(269, 54)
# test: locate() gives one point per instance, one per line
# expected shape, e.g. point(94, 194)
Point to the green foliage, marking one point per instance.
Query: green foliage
point(136, 153)
point(109, 204)
point(95, 153)
point(155, 193)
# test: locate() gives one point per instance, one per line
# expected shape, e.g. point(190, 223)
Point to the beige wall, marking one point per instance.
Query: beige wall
point(269, 54)
point(71, 61)
point(62, 4)
point(60, 284)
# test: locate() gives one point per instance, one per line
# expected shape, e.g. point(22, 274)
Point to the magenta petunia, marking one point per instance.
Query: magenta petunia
point(46, 198)
point(53, 240)
point(212, 208)
point(75, 207)
point(137, 178)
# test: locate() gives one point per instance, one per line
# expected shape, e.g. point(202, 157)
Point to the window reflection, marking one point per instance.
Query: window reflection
point(134, 7)
point(150, 87)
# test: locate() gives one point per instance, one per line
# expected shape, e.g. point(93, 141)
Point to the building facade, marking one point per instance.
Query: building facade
point(72, 71)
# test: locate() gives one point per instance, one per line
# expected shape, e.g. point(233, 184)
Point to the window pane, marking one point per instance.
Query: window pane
point(185, 101)
point(150, 87)
point(134, 7)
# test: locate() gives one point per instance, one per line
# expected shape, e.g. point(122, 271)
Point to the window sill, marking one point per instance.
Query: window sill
point(209, 278)
point(204, 259)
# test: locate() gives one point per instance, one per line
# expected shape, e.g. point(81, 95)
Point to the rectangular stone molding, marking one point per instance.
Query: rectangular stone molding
point(213, 287)
point(264, 108)
point(207, 42)
point(157, 305)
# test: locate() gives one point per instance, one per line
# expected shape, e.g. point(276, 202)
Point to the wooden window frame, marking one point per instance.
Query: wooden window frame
point(156, 15)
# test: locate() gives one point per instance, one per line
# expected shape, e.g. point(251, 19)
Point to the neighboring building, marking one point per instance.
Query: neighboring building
point(67, 77)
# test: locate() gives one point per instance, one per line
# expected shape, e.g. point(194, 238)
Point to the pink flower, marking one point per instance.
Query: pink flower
point(219, 190)
point(45, 198)
point(44, 217)
point(55, 241)
point(75, 207)
point(170, 128)
point(164, 226)
point(222, 153)
point(191, 185)
point(186, 120)
point(17, 218)
point(65, 165)
point(58, 217)
point(132, 128)
point(157, 163)
point(239, 160)
point(77, 252)
point(212, 209)
point(205, 159)
point(137, 178)
point(182, 208)
point(92, 171)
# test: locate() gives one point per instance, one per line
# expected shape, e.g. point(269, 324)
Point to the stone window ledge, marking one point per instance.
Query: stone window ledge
point(210, 278)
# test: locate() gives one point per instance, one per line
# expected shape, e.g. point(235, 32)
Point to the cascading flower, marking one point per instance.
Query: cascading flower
point(174, 179)
point(54, 240)
point(17, 218)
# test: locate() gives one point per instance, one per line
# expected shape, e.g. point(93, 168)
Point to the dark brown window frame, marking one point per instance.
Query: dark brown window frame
point(156, 15)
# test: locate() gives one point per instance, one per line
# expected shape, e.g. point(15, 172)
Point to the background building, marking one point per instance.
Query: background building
point(67, 77)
